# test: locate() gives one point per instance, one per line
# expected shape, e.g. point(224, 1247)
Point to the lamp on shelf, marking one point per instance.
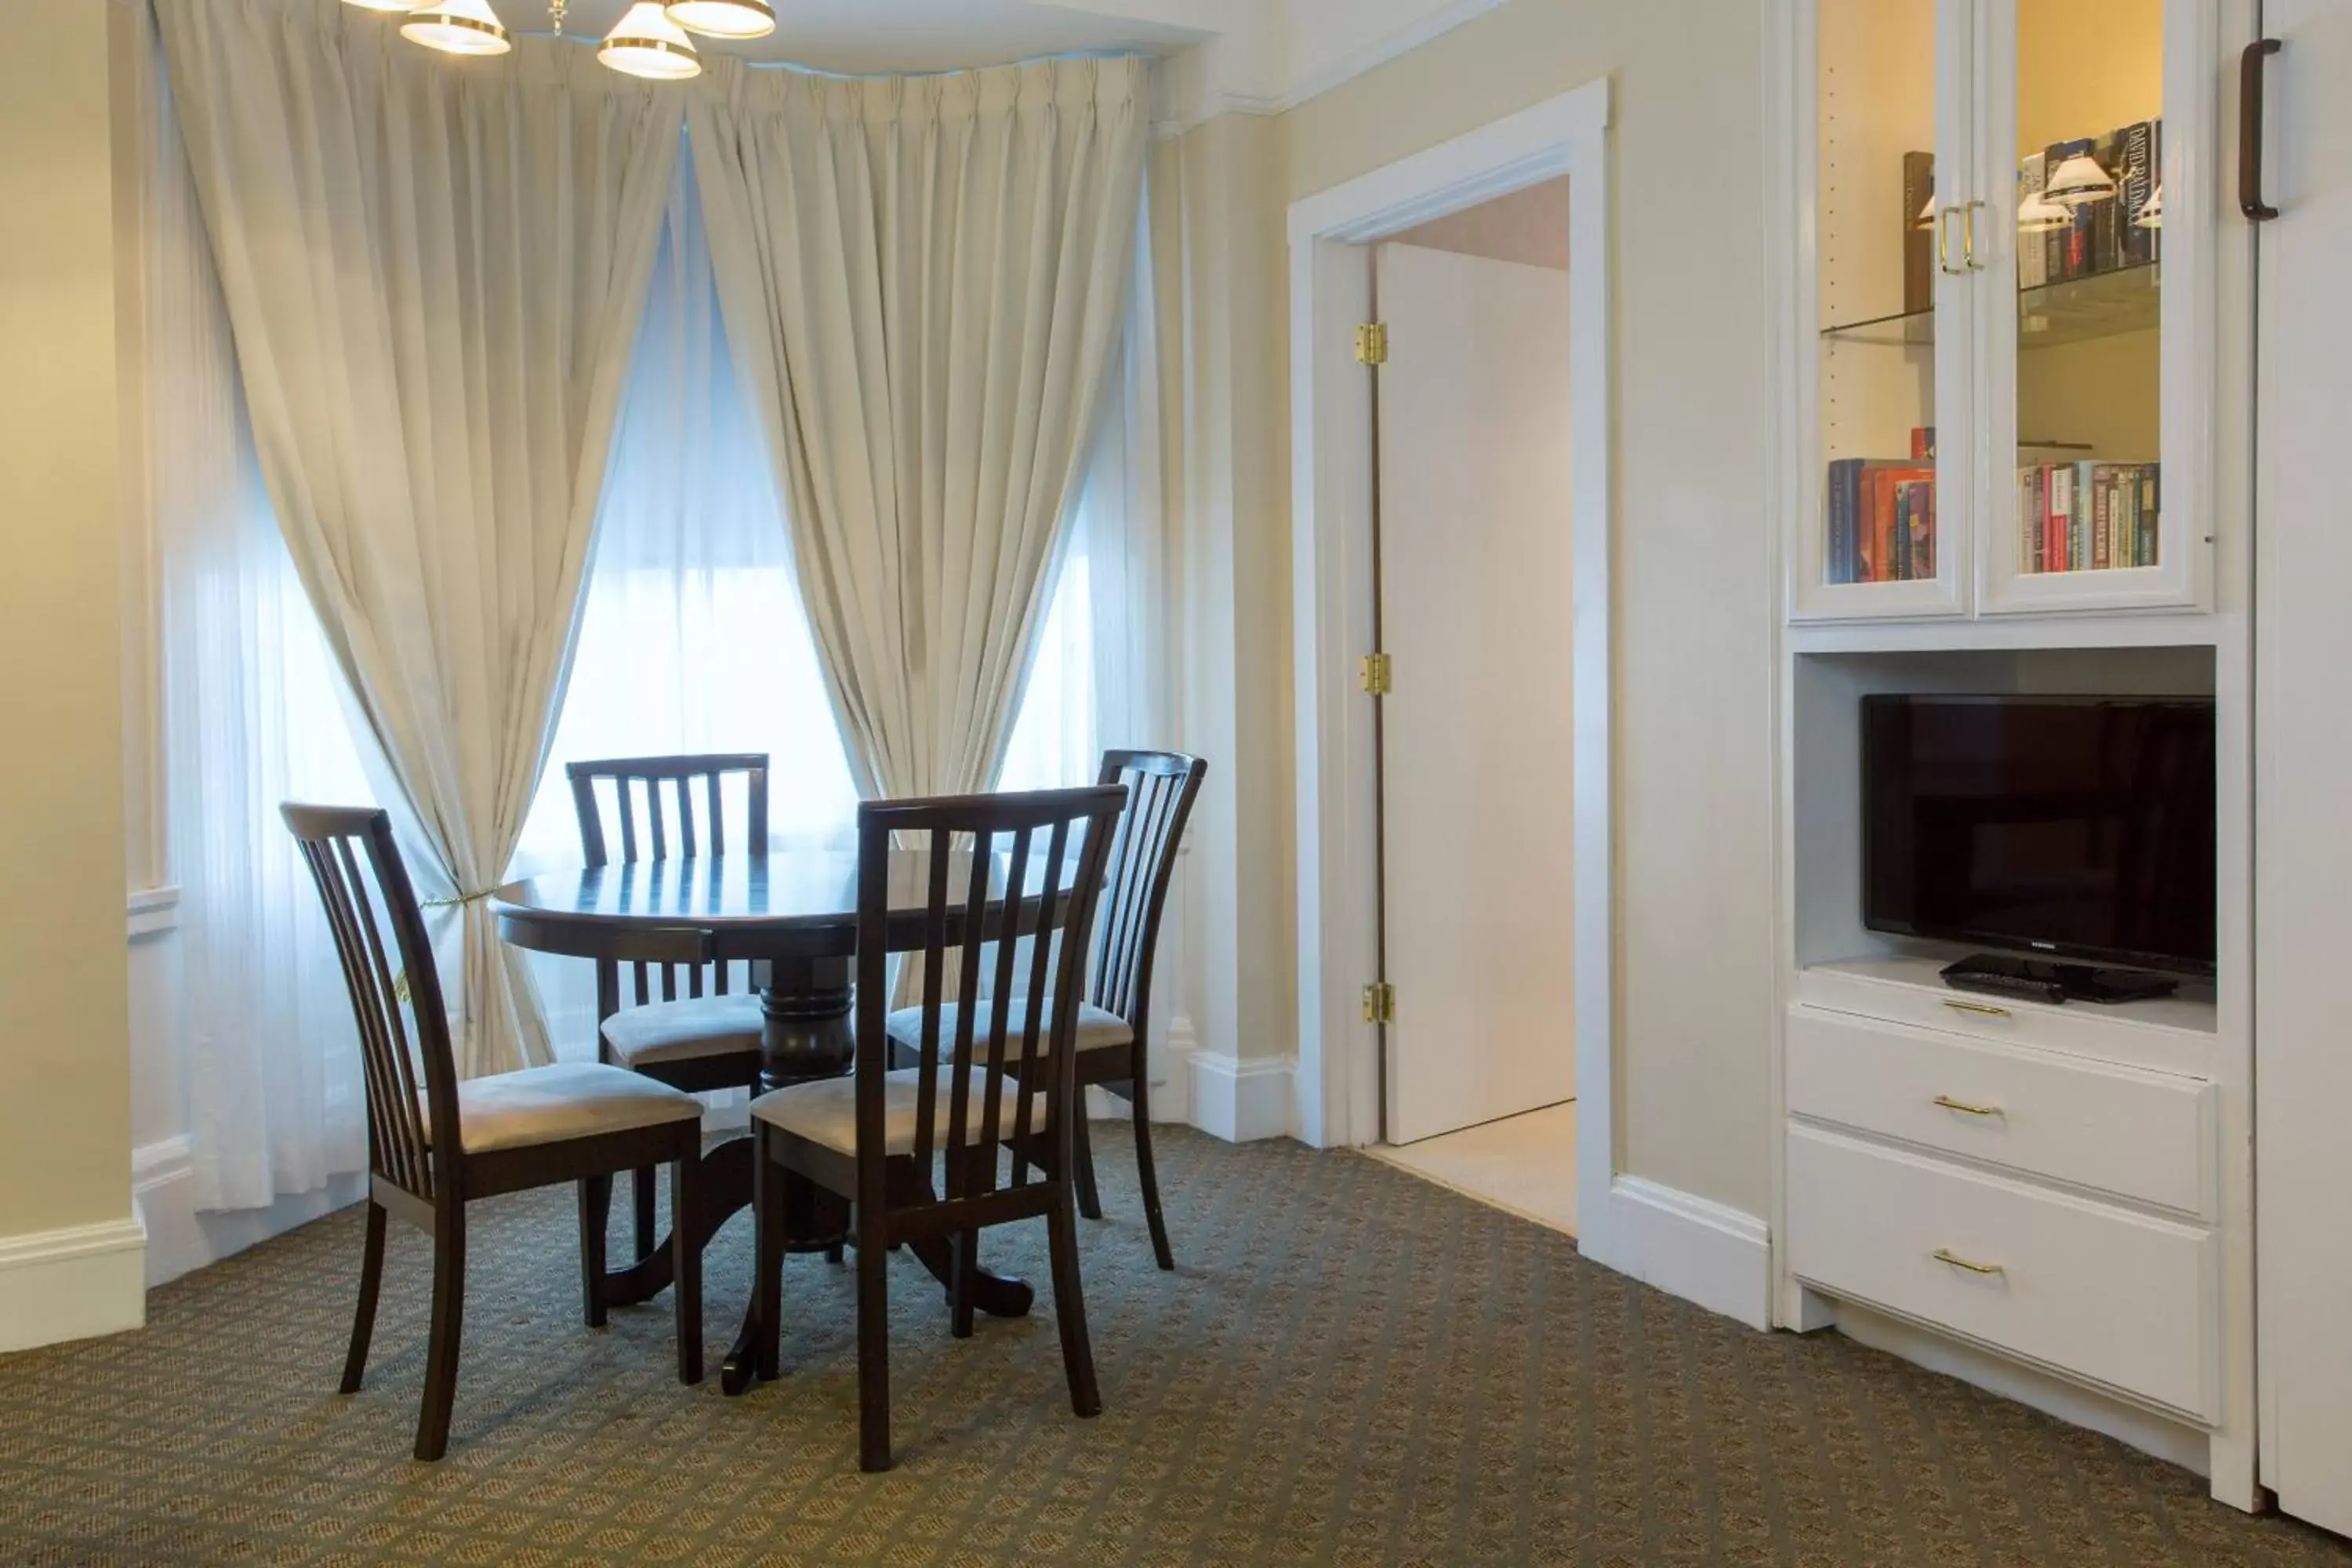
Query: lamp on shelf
point(2078, 180)
point(646, 43)
point(456, 28)
point(736, 19)
point(2151, 211)
point(1926, 219)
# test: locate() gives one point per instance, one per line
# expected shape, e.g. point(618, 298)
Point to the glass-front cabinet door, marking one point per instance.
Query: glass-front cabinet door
point(1891, 313)
point(2091, 468)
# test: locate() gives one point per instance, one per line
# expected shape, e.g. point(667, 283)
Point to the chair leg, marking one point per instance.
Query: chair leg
point(768, 1255)
point(1070, 1307)
point(641, 1209)
point(872, 1341)
point(960, 1284)
point(448, 1321)
point(596, 1217)
point(1147, 1175)
point(363, 1316)
point(686, 1263)
point(1089, 1200)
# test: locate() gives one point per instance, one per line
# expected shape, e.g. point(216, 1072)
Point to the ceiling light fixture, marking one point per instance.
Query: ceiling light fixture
point(2079, 180)
point(646, 42)
point(458, 28)
point(737, 19)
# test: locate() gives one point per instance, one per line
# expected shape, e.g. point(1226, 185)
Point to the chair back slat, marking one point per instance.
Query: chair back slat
point(1162, 787)
point(650, 795)
point(1043, 891)
point(358, 871)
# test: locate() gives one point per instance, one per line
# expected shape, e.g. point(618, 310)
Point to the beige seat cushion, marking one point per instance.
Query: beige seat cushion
point(552, 1104)
point(827, 1111)
point(682, 1031)
point(1098, 1030)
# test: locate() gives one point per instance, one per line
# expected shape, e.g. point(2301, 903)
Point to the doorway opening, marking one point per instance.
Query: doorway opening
point(1481, 648)
point(1472, 573)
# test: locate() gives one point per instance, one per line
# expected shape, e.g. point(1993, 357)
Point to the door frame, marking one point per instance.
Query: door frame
point(1337, 1082)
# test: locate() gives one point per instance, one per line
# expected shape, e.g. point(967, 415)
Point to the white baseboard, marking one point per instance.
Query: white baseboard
point(2183, 1445)
point(1241, 1101)
point(181, 1239)
point(73, 1283)
point(1690, 1247)
point(1172, 1088)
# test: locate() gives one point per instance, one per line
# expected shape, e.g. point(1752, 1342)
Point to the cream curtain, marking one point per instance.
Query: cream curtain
point(924, 280)
point(434, 272)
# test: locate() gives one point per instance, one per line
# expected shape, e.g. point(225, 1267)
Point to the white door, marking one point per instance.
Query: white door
point(1475, 544)
point(2303, 1025)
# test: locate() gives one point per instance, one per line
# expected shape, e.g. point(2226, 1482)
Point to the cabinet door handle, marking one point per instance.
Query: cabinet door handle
point(1969, 238)
point(1982, 1009)
point(1945, 1255)
point(1965, 1109)
point(1944, 241)
point(2250, 130)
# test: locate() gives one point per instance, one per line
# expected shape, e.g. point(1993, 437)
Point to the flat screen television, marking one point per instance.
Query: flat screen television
point(2075, 827)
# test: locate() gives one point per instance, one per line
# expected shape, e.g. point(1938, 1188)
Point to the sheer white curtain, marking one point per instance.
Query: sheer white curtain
point(251, 717)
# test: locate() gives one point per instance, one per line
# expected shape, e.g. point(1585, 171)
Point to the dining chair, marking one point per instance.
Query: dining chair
point(971, 1096)
point(1113, 1050)
point(437, 1144)
point(708, 1038)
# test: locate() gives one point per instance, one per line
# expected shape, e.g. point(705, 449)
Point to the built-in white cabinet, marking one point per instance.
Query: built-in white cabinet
point(2006, 302)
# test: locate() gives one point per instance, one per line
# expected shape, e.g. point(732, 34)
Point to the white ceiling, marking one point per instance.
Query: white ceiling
point(854, 36)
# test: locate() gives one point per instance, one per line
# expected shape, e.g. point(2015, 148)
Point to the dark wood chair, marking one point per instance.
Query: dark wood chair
point(969, 1095)
point(437, 1145)
point(1113, 1050)
point(707, 1038)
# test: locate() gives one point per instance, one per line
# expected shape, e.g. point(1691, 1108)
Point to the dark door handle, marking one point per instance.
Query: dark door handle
point(2250, 130)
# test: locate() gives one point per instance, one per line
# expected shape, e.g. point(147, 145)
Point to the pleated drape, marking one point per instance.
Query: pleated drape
point(434, 272)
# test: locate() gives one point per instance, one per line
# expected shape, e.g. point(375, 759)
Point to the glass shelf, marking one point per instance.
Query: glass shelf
point(2102, 305)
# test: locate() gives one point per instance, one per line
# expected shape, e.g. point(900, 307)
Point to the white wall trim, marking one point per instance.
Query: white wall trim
point(151, 910)
point(1241, 1101)
point(72, 1283)
point(1703, 1251)
point(1339, 1062)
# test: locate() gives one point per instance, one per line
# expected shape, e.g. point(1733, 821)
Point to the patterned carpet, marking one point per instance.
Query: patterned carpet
point(1352, 1367)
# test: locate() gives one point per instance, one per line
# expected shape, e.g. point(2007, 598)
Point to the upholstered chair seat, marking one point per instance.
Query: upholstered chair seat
point(685, 1030)
point(825, 1113)
point(1098, 1029)
point(559, 1102)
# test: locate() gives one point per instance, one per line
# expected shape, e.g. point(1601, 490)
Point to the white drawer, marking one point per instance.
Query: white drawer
point(2140, 1134)
point(2175, 1035)
point(2108, 1295)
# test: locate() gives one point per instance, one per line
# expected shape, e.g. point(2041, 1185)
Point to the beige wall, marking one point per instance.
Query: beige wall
point(1696, 596)
point(64, 1045)
point(1529, 226)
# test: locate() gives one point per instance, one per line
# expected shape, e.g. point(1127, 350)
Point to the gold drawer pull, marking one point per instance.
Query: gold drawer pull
point(1945, 1255)
point(1965, 1109)
point(1983, 1009)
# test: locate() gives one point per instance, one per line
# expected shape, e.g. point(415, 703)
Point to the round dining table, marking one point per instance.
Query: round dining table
point(792, 913)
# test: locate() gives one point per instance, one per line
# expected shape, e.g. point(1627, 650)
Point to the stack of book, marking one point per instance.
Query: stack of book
point(1881, 520)
point(2086, 517)
point(2106, 234)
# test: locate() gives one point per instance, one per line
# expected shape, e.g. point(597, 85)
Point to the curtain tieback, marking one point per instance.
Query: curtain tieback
point(456, 899)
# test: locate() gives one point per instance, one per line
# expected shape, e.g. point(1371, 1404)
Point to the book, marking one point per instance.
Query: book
point(1918, 241)
point(1884, 525)
point(1923, 443)
point(2103, 245)
point(1919, 527)
point(2060, 257)
point(2139, 161)
point(2033, 254)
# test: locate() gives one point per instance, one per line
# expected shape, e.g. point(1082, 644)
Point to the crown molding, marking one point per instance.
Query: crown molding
point(1217, 92)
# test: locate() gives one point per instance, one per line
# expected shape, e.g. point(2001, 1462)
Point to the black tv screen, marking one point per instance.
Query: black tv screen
point(2075, 827)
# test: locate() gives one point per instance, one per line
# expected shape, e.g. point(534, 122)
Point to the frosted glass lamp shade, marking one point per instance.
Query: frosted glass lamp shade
point(2078, 180)
point(724, 18)
point(647, 44)
point(2039, 215)
point(458, 28)
point(2151, 212)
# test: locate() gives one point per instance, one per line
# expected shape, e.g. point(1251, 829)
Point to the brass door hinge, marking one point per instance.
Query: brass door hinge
point(1377, 671)
point(1372, 343)
point(1379, 1003)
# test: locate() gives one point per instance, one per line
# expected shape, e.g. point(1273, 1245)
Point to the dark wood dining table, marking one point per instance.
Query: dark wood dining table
point(795, 912)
